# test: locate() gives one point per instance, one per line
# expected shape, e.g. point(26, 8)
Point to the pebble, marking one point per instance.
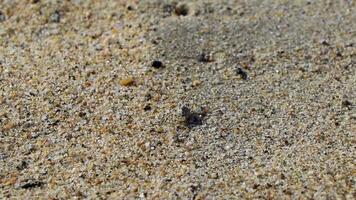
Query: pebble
point(127, 81)
point(196, 83)
point(157, 64)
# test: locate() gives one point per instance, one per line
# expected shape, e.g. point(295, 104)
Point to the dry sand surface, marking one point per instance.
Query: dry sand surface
point(161, 99)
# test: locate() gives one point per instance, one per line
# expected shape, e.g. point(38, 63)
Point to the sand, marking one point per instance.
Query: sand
point(161, 99)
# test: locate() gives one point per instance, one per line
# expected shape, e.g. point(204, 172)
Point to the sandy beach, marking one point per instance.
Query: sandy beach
point(163, 99)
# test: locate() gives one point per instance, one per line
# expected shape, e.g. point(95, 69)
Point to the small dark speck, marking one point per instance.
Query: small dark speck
point(130, 8)
point(82, 114)
point(157, 64)
point(203, 58)
point(181, 10)
point(349, 45)
point(255, 186)
point(192, 119)
point(286, 143)
point(242, 73)
point(325, 43)
point(155, 42)
point(346, 103)
point(148, 97)
point(147, 108)
point(30, 185)
point(22, 165)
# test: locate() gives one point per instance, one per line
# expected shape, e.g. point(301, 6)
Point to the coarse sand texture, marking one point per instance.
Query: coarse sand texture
point(163, 99)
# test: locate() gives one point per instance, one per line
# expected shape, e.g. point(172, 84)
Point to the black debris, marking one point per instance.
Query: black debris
point(325, 43)
point(147, 108)
point(203, 58)
point(82, 114)
point(22, 165)
point(30, 185)
point(255, 186)
point(181, 10)
point(349, 45)
point(157, 64)
point(338, 54)
point(195, 189)
point(155, 42)
point(148, 97)
point(130, 8)
point(346, 103)
point(242, 73)
point(192, 118)
point(286, 142)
